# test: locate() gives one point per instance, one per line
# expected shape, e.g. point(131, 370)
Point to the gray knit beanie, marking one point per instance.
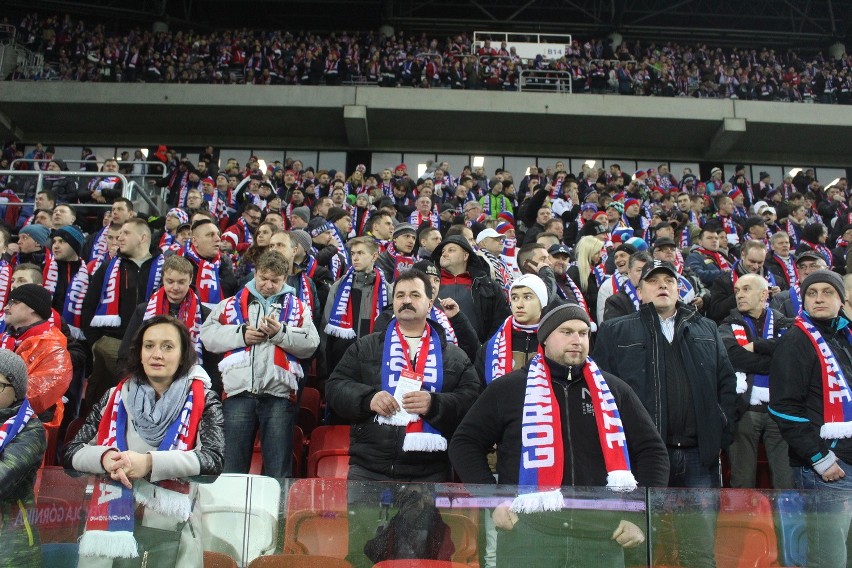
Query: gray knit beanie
point(15, 370)
point(302, 238)
point(559, 315)
point(824, 277)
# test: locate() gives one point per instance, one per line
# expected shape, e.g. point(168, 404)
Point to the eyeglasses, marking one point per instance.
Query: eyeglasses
point(4, 386)
point(11, 303)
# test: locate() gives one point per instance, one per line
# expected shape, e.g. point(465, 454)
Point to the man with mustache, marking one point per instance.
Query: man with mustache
point(404, 389)
point(676, 362)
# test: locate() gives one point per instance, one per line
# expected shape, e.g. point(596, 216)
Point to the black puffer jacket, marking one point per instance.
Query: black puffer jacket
point(211, 434)
point(19, 463)
point(378, 447)
point(631, 348)
point(497, 418)
point(796, 394)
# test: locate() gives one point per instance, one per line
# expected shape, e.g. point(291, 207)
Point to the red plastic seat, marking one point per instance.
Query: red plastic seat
point(218, 560)
point(328, 452)
point(51, 430)
point(329, 463)
point(309, 410)
point(298, 561)
point(256, 467)
point(745, 530)
point(317, 521)
point(329, 437)
point(72, 429)
point(464, 528)
point(298, 465)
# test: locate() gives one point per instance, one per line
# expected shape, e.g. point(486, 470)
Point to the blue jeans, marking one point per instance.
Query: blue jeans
point(276, 418)
point(695, 512)
point(829, 511)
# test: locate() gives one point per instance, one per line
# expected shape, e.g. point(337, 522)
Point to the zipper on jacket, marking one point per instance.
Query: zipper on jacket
point(568, 426)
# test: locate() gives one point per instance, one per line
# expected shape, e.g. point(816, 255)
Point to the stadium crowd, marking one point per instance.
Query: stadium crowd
point(704, 315)
point(76, 51)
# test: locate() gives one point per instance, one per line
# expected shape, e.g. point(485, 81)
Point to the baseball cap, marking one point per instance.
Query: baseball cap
point(558, 249)
point(658, 266)
point(486, 233)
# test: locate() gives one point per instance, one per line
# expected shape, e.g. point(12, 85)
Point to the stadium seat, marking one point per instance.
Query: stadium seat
point(317, 522)
point(73, 427)
point(297, 468)
point(239, 515)
point(51, 430)
point(298, 461)
point(464, 528)
point(745, 531)
point(329, 437)
point(218, 560)
point(794, 537)
point(298, 561)
point(329, 463)
point(328, 452)
point(309, 410)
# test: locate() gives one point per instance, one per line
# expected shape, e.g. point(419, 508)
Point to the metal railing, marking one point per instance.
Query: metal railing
point(130, 190)
point(544, 81)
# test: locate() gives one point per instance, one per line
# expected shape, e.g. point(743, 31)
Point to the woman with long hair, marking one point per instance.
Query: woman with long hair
point(587, 271)
point(160, 426)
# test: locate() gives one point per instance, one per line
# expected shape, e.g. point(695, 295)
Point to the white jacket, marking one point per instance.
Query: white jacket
point(258, 376)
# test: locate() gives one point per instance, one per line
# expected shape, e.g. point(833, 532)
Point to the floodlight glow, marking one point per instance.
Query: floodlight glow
point(478, 161)
point(794, 172)
point(421, 169)
point(144, 152)
point(261, 164)
point(590, 163)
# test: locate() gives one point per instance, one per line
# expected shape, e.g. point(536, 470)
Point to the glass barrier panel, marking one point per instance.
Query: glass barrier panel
point(240, 518)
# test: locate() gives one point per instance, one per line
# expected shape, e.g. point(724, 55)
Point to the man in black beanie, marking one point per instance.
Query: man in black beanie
point(560, 396)
point(810, 400)
point(30, 334)
point(67, 278)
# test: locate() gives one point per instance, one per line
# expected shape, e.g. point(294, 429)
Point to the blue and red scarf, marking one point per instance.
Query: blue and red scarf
point(401, 262)
point(498, 349)
point(14, 425)
point(822, 250)
point(836, 395)
point(109, 527)
point(760, 390)
point(292, 312)
point(418, 218)
point(542, 459)
point(189, 312)
point(5, 281)
point(99, 247)
point(340, 243)
point(340, 320)
point(438, 315)
point(305, 291)
point(75, 293)
point(207, 284)
point(107, 313)
point(420, 436)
